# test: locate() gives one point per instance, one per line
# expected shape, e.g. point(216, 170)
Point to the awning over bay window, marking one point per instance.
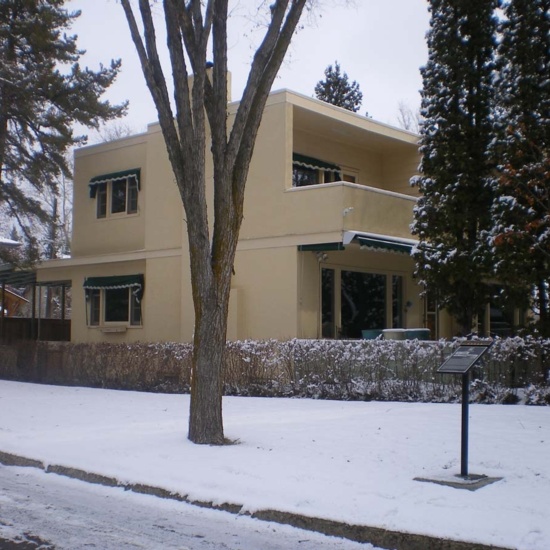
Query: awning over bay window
point(136, 282)
point(113, 176)
point(382, 243)
point(314, 164)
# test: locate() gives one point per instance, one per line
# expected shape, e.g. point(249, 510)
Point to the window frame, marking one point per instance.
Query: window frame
point(320, 171)
point(105, 198)
point(97, 308)
point(390, 301)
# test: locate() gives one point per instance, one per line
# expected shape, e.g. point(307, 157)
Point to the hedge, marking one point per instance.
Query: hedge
point(515, 369)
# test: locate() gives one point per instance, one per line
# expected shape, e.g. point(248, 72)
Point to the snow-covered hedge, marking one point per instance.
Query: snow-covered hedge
point(380, 370)
point(322, 369)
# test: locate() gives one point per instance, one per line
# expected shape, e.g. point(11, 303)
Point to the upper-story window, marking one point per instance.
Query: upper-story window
point(116, 193)
point(311, 171)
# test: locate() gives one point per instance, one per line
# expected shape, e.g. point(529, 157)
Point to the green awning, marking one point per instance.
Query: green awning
point(113, 176)
point(116, 281)
point(314, 164)
point(321, 247)
point(384, 244)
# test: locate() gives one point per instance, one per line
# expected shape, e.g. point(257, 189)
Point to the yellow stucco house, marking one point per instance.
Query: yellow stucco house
point(324, 249)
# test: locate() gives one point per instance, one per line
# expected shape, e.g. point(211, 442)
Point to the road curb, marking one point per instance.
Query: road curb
point(377, 536)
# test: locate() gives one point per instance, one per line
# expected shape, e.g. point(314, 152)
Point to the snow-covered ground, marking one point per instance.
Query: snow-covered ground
point(348, 461)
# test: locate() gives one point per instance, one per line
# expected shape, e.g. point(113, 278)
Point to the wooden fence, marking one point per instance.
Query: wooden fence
point(13, 329)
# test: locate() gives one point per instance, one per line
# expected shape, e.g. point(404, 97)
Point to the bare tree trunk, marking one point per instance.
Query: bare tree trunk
point(191, 26)
point(205, 419)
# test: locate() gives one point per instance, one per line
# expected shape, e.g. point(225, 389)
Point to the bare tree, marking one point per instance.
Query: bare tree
point(407, 118)
point(195, 30)
point(114, 130)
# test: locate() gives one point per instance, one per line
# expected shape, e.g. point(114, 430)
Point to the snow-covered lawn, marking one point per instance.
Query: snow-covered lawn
point(348, 461)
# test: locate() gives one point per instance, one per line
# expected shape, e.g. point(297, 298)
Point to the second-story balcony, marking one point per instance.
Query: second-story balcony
point(344, 206)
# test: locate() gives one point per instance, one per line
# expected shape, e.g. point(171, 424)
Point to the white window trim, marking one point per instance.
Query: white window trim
point(109, 202)
point(108, 325)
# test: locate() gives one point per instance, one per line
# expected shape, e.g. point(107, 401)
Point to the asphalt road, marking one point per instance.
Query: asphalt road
point(40, 511)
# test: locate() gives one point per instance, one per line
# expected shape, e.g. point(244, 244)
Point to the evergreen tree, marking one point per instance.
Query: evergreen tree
point(39, 103)
point(337, 90)
point(456, 183)
point(521, 234)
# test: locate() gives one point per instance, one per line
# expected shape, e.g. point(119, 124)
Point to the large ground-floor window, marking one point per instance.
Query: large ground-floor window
point(114, 300)
point(353, 301)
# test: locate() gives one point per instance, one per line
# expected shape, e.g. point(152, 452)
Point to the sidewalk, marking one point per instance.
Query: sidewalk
point(339, 467)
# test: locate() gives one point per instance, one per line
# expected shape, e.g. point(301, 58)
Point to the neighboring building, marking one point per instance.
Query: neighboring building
point(324, 248)
point(8, 243)
point(11, 301)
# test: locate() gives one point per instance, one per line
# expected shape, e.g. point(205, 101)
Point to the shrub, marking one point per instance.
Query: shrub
point(387, 370)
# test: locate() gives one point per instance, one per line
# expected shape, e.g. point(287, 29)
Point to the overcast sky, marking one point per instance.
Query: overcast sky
point(378, 43)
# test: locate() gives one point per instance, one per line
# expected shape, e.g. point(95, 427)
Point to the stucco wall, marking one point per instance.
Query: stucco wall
point(266, 284)
point(163, 303)
point(112, 234)
point(164, 210)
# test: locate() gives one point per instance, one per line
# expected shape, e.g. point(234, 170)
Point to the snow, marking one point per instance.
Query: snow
point(349, 461)
point(9, 243)
point(73, 515)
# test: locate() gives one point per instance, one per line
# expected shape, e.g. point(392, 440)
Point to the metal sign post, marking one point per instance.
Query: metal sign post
point(460, 362)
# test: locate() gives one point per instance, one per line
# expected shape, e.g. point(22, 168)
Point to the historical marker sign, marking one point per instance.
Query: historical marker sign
point(464, 358)
point(460, 362)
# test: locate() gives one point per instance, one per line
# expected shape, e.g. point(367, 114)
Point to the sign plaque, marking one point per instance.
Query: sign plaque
point(460, 362)
point(464, 358)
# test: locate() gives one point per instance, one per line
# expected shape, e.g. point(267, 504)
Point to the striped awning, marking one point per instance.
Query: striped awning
point(314, 164)
point(380, 243)
point(117, 281)
point(367, 241)
point(384, 245)
point(113, 176)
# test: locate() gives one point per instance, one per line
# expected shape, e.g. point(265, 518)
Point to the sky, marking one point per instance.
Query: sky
point(349, 461)
point(378, 43)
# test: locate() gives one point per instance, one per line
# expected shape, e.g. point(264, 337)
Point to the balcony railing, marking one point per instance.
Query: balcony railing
point(349, 206)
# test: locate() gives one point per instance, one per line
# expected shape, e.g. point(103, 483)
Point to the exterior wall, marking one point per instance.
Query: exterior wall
point(267, 288)
point(163, 299)
point(164, 210)
point(118, 233)
point(265, 213)
point(309, 293)
point(398, 170)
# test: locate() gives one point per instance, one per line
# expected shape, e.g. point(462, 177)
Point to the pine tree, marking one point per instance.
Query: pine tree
point(43, 92)
point(521, 235)
point(456, 183)
point(337, 90)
